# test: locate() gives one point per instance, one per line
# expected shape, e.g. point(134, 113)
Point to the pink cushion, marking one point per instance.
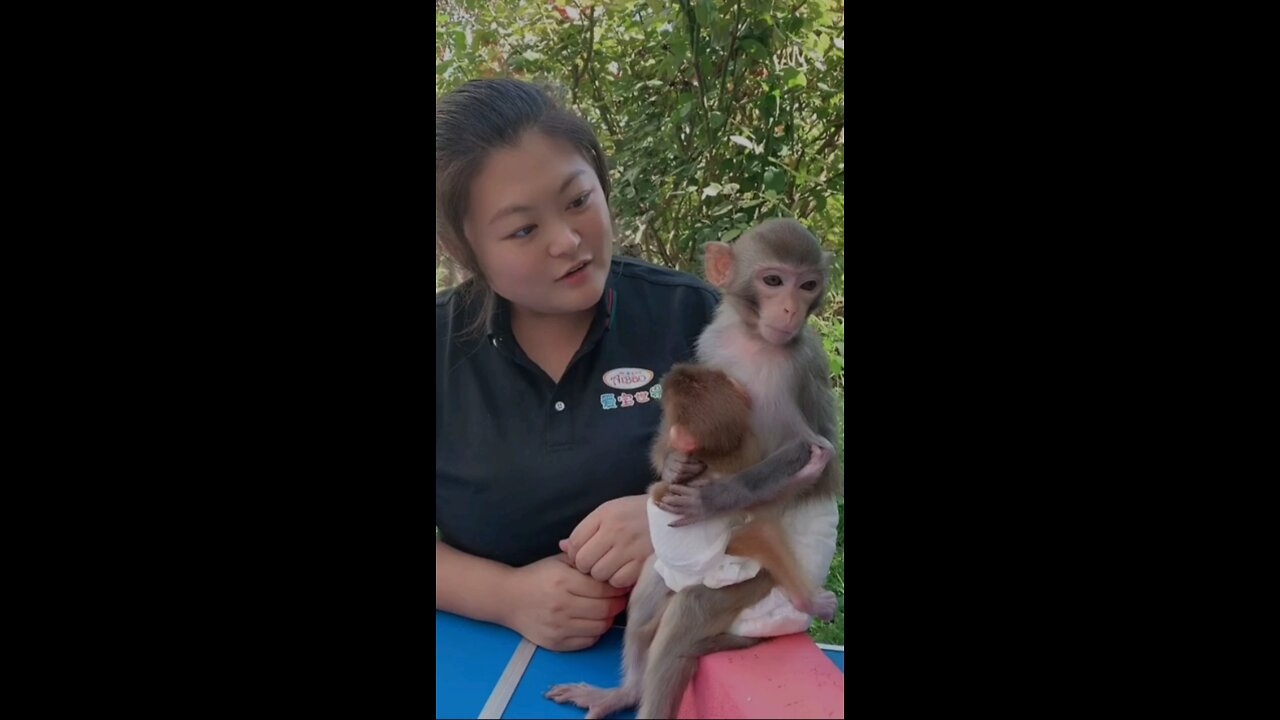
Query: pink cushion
point(783, 677)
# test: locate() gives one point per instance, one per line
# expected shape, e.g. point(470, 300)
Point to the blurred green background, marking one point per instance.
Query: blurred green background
point(714, 115)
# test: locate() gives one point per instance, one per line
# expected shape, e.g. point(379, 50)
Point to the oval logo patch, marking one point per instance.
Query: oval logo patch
point(628, 378)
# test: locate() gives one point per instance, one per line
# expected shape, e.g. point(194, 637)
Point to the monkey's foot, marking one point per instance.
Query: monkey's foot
point(824, 605)
point(598, 702)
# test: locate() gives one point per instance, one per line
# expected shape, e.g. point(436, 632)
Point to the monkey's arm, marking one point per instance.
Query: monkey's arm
point(791, 467)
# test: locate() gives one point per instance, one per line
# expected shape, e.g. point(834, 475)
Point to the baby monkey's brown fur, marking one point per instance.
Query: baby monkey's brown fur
point(704, 412)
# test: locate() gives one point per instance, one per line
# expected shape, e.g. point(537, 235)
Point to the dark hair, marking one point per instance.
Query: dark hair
point(474, 120)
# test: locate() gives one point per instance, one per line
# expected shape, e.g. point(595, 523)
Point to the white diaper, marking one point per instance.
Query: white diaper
point(696, 554)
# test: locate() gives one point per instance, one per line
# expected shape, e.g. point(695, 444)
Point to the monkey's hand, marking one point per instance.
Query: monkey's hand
point(819, 457)
point(680, 468)
point(790, 468)
point(688, 501)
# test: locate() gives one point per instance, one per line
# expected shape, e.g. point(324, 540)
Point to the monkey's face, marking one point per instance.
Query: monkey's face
point(784, 297)
point(539, 225)
point(774, 277)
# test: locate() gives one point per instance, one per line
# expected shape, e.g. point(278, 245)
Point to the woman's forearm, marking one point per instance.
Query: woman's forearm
point(470, 586)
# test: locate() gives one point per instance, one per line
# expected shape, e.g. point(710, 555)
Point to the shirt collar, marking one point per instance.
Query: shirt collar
point(498, 325)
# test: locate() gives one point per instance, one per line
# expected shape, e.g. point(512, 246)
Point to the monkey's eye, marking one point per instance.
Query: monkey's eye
point(811, 285)
point(772, 280)
point(523, 232)
point(580, 201)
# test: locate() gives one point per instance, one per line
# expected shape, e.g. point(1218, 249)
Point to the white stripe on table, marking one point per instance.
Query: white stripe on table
point(506, 687)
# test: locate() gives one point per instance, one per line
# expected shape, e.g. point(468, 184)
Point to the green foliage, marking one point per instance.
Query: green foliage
point(715, 115)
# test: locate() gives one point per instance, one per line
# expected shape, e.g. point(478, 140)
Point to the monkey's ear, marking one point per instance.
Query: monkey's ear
point(719, 262)
point(828, 259)
point(682, 441)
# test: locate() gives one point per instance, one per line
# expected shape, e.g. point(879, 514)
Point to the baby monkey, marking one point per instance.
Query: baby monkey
point(708, 414)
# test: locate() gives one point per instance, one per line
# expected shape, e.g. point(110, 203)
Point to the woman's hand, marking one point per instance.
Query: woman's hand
point(559, 608)
point(612, 543)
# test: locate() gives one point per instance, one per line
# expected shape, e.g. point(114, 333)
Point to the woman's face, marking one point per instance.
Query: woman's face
point(539, 226)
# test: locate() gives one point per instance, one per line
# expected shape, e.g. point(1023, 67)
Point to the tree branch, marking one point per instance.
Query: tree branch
point(691, 22)
point(595, 79)
point(733, 44)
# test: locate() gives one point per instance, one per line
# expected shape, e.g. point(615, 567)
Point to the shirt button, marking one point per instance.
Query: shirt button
point(559, 406)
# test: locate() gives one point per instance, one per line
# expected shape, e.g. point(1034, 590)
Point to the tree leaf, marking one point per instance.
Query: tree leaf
point(794, 78)
point(775, 179)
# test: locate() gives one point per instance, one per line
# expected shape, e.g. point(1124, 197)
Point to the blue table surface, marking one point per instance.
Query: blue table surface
point(470, 657)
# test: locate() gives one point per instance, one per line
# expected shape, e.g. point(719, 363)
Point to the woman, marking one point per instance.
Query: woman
point(548, 366)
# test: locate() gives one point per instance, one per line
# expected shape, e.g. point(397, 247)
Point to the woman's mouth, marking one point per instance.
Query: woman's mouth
point(576, 272)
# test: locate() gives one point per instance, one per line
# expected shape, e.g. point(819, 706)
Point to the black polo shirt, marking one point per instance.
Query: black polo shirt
point(520, 459)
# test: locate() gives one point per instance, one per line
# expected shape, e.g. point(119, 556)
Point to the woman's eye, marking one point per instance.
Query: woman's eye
point(772, 280)
point(580, 201)
point(523, 232)
point(811, 285)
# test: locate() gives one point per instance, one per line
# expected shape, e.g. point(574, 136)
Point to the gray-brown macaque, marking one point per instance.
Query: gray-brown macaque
point(772, 279)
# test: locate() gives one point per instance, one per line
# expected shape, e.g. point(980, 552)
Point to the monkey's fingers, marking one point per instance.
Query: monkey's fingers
point(679, 470)
point(824, 605)
point(683, 492)
point(686, 515)
point(562, 693)
point(599, 702)
point(690, 470)
point(666, 507)
point(685, 520)
point(818, 459)
point(681, 500)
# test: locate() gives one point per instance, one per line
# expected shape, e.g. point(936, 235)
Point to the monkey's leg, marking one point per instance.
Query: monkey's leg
point(644, 612)
point(694, 623)
point(763, 540)
point(724, 641)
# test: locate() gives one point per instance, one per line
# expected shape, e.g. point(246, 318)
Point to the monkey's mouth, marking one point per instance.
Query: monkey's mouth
point(776, 335)
point(575, 271)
